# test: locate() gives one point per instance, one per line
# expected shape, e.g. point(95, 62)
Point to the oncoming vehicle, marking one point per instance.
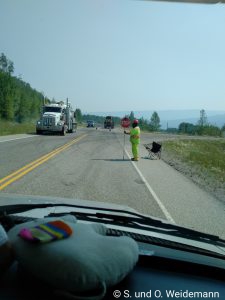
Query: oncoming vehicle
point(90, 123)
point(57, 117)
point(109, 123)
point(79, 219)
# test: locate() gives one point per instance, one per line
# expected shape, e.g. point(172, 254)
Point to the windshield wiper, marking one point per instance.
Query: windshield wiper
point(135, 220)
point(146, 223)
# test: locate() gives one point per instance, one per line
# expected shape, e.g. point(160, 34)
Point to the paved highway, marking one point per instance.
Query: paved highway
point(89, 165)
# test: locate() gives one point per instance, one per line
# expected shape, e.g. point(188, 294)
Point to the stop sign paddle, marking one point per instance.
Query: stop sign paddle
point(125, 122)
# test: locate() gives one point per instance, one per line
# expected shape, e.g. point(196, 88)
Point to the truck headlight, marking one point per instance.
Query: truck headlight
point(38, 122)
point(59, 123)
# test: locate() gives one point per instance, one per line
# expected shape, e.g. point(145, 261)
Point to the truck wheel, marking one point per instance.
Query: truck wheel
point(38, 131)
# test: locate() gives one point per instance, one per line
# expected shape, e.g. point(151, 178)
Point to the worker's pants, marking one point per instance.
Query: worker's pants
point(135, 150)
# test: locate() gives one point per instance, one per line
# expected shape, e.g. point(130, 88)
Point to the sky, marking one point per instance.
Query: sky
point(118, 55)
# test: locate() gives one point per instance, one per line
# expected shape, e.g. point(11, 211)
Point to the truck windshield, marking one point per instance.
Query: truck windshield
point(52, 109)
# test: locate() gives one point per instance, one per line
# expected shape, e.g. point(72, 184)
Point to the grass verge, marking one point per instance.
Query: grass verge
point(203, 160)
point(7, 128)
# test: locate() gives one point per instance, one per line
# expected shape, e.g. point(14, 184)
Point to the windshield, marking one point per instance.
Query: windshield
point(155, 69)
point(52, 109)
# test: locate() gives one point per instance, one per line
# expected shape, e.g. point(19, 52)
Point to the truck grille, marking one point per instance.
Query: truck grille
point(48, 121)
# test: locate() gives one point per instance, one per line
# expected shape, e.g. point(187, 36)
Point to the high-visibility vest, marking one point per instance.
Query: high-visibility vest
point(135, 135)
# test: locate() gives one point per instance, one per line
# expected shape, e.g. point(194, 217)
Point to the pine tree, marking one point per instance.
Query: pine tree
point(155, 121)
point(131, 117)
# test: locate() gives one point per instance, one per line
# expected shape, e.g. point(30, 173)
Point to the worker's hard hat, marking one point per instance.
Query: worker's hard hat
point(135, 121)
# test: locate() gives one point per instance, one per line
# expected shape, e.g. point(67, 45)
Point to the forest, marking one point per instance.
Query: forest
point(19, 102)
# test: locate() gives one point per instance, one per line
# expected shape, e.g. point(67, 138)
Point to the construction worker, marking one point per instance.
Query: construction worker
point(134, 139)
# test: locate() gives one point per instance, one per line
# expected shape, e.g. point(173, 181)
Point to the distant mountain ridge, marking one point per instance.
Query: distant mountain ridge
point(217, 120)
point(172, 118)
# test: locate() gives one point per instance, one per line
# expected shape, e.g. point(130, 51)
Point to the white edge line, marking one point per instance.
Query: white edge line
point(25, 137)
point(164, 210)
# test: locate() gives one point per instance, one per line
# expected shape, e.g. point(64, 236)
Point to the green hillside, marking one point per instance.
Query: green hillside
point(19, 102)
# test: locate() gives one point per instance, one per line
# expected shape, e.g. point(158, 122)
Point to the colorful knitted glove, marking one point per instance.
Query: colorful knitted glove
point(46, 232)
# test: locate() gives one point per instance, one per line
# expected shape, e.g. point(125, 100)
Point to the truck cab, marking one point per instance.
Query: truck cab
point(56, 117)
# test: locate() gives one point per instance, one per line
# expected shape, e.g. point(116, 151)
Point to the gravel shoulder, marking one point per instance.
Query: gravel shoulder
point(202, 179)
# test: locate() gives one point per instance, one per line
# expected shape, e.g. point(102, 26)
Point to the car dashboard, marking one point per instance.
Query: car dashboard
point(163, 271)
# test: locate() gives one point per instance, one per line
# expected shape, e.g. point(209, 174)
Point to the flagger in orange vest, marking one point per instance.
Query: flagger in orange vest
point(134, 139)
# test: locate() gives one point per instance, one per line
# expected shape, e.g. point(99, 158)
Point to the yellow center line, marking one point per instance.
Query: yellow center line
point(31, 166)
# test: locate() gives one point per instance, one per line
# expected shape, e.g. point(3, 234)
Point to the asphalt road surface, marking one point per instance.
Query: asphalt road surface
point(93, 165)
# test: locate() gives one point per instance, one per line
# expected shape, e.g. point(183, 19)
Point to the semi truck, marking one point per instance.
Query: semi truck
point(57, 117)
point(109, 123)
